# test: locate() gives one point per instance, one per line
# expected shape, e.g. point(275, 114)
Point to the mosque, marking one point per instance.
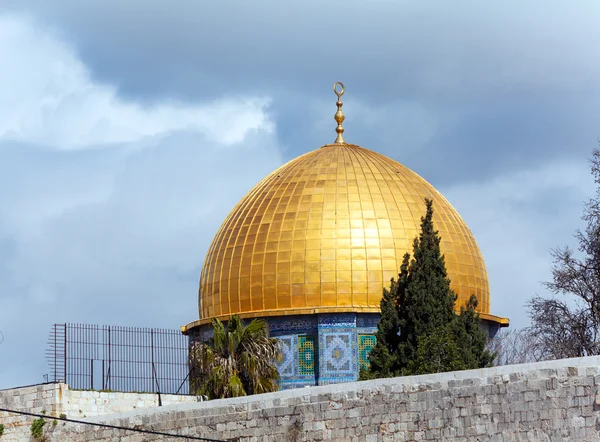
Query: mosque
point(310, 248)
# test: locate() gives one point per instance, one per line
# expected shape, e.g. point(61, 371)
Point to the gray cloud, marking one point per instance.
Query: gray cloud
point(507, 84)
point(419, 49)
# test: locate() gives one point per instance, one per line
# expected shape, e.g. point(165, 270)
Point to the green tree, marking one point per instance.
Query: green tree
point(419, 331)
point(384, 357)
point(458, 345)
point(436, 352)
point(473, 341)
point(238, 360)
point(428, 300)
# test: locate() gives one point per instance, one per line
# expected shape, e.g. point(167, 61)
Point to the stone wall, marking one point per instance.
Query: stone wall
point(548, 401)
point(44, 398)
point(56, 398)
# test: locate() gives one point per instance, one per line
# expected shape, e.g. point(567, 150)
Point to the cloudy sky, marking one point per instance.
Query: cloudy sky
point(128, 130)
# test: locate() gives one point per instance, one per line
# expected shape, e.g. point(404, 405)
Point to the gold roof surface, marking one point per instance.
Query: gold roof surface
point(325, 232)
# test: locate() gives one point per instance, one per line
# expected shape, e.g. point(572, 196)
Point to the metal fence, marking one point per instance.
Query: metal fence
point(127, 359)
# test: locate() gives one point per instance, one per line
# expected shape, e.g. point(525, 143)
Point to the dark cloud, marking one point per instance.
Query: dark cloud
point(508, 85)
point(384, 49)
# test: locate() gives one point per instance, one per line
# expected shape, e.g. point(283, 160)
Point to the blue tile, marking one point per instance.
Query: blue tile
point(337, 354)
point(287, 360)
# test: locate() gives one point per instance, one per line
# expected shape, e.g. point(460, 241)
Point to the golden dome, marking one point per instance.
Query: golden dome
point(325, 233)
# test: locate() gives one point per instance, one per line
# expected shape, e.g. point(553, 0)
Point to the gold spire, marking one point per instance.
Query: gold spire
point(339, 115)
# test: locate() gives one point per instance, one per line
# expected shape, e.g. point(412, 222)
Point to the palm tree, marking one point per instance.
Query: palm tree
point(238, 360)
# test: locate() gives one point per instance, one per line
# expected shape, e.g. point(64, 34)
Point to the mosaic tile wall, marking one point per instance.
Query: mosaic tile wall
point(323, 349)
point(337, 348)
point(306, 355)
point(366, 327)
point(298, 361)
point(365, 345)
point(319, 349)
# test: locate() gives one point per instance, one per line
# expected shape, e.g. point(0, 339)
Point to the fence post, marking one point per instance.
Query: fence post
point(154, 376)
point(152, 350)
point(108, 372)
point(65, 355)
point(54, 377)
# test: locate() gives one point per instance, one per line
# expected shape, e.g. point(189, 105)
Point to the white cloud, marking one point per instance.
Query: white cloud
point(114, 236)
point(52, 101)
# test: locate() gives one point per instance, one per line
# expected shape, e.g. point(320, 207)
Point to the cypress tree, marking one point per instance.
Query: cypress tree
point(436, 352)
point(384, 356)
point(458, 345)
point(419, 331)
point(429, 301)
point(467, 331)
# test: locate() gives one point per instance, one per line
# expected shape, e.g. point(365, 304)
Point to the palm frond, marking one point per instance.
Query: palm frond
point(238, 360)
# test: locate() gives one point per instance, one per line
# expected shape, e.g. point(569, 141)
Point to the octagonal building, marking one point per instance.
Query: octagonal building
point(311, 247)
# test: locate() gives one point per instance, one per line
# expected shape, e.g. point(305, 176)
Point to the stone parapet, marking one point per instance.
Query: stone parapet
point(55, 399)
point(553, 400)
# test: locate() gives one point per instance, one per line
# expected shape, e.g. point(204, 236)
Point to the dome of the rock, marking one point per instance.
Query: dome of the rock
point(317, 240)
